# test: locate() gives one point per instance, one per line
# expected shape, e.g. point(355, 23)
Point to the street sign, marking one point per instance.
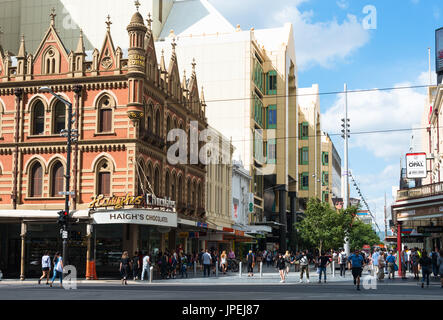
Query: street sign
point(416, 166)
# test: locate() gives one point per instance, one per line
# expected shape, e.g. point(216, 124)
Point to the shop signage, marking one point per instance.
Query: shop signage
point(202, 225)
point(416, 166)
point(142, 217)
point(148, 200)
point(183, 235)
point(194, 235)
point(430, 229)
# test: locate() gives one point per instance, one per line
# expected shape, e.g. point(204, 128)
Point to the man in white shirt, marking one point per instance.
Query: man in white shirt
point(46, 268)
point(146, 266)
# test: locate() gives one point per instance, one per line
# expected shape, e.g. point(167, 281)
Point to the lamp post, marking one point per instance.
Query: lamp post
point(71, 136)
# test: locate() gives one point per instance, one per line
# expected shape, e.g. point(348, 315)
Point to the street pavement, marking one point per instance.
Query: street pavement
point(226, 287)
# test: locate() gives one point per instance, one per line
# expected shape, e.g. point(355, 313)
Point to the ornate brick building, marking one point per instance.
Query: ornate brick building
point(123, 110)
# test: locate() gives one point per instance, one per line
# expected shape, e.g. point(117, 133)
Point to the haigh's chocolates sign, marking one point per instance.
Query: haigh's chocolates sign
point(136, 216)
point(146, 201)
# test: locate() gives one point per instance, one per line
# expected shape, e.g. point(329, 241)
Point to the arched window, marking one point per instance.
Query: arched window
point(167, 184)
point(189, 192)
point(200, 196)
point(194, 191)
point(59, 117)
point(180, 189)
point(38, 118)
point(157, 122)
point(173, 189)
point(57, 179)
point(157, 182)
point(51, 61)
point(149, 120)
point(104, 178)
point(105, 106)
point(36, 180)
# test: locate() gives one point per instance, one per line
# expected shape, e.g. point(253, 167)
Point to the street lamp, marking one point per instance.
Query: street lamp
point(71, 136)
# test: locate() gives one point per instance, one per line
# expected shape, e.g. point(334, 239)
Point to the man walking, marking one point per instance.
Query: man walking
point(434, 257)
point(375, 258)
point(46, 268)
point(342, 259)
point(146, 266)
point(356, 262)
point(323, 262)
point(206, 259)
point(135, 265)
point(304, 266)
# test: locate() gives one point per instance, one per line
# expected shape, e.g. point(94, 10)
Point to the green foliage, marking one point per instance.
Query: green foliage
point(362, 234)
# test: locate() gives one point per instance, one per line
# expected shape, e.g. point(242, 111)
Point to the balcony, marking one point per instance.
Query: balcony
point(420, 192)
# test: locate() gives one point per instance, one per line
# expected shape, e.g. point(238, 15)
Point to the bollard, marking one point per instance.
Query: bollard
point(151, 273)
point(333, 269)
point(240, 265)
point(216, 269)
point(195, 269)
point(261, 269)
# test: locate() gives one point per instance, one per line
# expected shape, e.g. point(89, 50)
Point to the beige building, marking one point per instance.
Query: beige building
point(330, 170)
point(309, 141)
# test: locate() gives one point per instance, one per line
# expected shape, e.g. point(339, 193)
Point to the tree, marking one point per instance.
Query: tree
point(362, 234)
point(322, 226)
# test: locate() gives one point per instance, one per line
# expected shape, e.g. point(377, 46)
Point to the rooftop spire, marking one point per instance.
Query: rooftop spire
point(149, 20)
point(53, 15)
point(193, 66)
point(162, 62)
point(202, 97)
point(173, 44)
point(137, 4)
point(108, 22)
point(184, 84)
point(80, 45)
point(22, 51)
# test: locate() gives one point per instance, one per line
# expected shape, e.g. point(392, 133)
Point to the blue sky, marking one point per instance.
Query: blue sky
point(332, 48)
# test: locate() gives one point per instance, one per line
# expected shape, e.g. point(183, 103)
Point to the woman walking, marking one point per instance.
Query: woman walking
point(287, 258)
point(125, 265)
point(46, 268)
point(381, 266)
point(58, 269)
point(281, 266)
point(224, 262)
point(426, 267)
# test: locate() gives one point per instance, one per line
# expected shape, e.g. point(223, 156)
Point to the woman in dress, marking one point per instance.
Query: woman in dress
point(287, 258)
point(281, 266)
point(224, 261)
point(125, 265)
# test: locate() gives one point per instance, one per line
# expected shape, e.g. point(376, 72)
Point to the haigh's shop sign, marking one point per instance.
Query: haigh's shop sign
point(136, 216)
point(146, 201)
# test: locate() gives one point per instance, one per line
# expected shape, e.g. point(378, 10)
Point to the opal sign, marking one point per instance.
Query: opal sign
point(416, 166)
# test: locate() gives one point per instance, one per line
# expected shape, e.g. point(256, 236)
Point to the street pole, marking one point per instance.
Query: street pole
point(346, 197)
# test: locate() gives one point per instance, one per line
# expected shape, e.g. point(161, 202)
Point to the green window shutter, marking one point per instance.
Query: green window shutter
point(304, 181)
point(304, 131)
point(325, 178)
point(271, 83)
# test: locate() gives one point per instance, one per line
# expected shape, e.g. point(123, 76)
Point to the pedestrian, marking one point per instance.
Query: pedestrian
point(58, 269)
point(146, 266)
point(281, 266)
point(415, 257)
point(390, 260)
point(174, 264)
point(375, 257)
point(342, 260)
point(426, 267)
point(183, 266)
point(405, 261)
point(323, 262)
point(46, 268)
point(231, 255)
point(125, 265)
point(356, 262)
point(287, 258)
point(381, 266)
point(163, 265)
point(206, 261)
point(224, 262)
point(304, 266)
point(269, 259)
point(135, 266)
point(440, 267)
point(434, 257)
point(250, 258)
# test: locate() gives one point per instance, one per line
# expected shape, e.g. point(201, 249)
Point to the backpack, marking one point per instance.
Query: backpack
point(344, 258)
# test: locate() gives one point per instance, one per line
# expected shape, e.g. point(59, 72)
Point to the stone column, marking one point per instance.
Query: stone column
point(282, 193)
point(23, 251)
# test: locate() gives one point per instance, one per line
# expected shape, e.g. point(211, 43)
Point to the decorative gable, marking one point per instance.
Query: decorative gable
point(107, 57)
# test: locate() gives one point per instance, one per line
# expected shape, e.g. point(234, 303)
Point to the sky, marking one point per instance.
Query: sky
point(369, 44)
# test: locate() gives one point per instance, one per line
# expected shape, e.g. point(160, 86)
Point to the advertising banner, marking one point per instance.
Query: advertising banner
point(439, 49)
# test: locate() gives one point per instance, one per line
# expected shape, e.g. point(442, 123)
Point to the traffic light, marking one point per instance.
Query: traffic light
point(63, 218)
point(345, 130)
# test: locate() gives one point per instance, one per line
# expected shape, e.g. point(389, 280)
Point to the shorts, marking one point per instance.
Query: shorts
point(45, 269)
point(356, 272)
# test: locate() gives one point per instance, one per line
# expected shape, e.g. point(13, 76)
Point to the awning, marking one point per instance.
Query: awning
point(258, 229)
point(41, 214)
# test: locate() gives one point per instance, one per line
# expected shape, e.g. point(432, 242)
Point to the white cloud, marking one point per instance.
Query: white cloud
point(380, 110)
point(323, 43)
point(342, 4)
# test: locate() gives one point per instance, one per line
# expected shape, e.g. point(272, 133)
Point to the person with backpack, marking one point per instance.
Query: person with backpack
point(250, 258)
point(146, 266)
point(58, 269)
point(342, 260)
point(46, 268)
point(434, 257)
point(183, 267)
point(390, 260)
point(304, 266)
point(135, 265)
point(426, 266)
